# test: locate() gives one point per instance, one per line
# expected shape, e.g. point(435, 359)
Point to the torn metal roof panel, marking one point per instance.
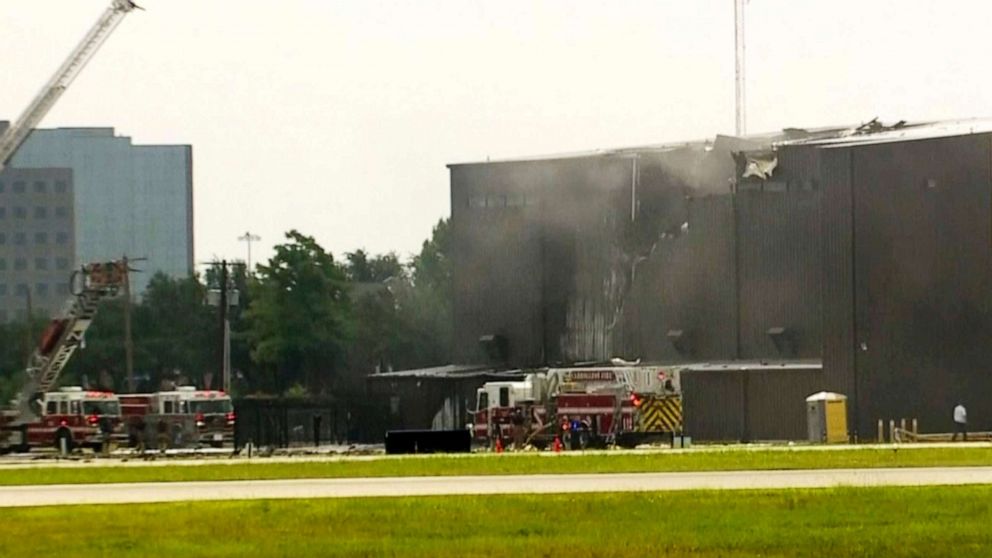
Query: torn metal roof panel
point(905, 132)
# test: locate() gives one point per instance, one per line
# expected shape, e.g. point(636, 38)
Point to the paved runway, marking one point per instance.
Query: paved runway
point(16, 496)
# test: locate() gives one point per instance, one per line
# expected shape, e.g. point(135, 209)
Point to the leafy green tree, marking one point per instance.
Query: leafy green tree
point(15, 343)
point(362, 269)
point(403, 321)
point(176, 331)
point(428, 307)
point(299, 317)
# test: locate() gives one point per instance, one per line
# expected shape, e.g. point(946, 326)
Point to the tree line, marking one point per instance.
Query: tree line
point(304, 323)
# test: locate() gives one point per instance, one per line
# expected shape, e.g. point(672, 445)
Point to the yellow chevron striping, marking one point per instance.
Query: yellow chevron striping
point(660, 415)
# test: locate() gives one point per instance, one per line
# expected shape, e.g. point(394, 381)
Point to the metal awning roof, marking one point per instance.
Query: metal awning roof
point(755, 365)
point(448, 371)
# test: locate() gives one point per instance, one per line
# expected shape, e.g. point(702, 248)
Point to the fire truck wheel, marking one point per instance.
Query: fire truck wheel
point(63, 433)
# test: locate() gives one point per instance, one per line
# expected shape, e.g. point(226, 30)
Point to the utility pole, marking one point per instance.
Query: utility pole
point(224, 297)
point(128, 340)
point(224, 329)
point(739, 75)
point(248, 238)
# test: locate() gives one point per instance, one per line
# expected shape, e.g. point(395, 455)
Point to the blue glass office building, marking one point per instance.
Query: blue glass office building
point(129, 199)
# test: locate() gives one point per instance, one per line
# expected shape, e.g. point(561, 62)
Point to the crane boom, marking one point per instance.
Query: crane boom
point(18, 131)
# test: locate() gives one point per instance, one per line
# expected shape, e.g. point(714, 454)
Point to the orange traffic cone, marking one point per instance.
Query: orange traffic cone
point(499, 444)
point(557, 445)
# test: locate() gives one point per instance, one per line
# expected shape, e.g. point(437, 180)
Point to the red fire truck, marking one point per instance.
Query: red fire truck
point(582, 406)
point(43, 417)
point(71, 418)
point(184, 417)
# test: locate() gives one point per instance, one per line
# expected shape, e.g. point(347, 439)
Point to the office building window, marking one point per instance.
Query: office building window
point(19, 239)
point(19, 187)
point(3, 264)
point(41, 289)
point(20, 264)
point(62, 238)
point(3, 187)
point(61, 212)
point(22, 289)
point(20, 213)
point(3, 289)
point(41, 238)
point(40, 212)
point(3, 239)
point(62, 263)
point(40, 187)
point(3, 212)
point(41, 264)
point(61, 187)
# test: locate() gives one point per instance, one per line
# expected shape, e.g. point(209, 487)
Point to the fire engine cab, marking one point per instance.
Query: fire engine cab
point(498, 402)
point(182, 417)
point(73, 417)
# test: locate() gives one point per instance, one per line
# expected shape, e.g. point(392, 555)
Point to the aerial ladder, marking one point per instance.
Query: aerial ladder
point(19, 130)
point(92, 284)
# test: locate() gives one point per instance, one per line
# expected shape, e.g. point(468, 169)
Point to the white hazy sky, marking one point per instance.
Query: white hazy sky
point(338, 117)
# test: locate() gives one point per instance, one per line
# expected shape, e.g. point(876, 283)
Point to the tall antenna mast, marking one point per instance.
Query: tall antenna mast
point(739, 66)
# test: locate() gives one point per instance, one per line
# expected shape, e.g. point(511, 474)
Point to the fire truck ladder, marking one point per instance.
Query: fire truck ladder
point(99, 281)
point(43, 102)
point(627, 388)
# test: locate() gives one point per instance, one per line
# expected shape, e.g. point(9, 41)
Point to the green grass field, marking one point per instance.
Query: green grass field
point(488, 464)
point(925, 522)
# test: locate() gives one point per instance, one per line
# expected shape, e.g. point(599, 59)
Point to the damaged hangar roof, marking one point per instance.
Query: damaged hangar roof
point(873, 131)
point(750, 141)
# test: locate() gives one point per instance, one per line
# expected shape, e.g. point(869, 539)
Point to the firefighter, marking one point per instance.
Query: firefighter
point(163, 435)
point(496, 436)
point(517, 420)
point(317, 418)
point(566, 432)
point(575, 428)
point(106, 428)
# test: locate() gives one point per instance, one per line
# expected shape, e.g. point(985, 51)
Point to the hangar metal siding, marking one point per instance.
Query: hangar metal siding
point(838, 278)
point(688, 285)
point(743, 404)
point(923, 270)
point(779, 261)
point(496, 266)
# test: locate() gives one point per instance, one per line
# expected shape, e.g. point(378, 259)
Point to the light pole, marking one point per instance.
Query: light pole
point(225, 297)
point(739, 56)
point(248, 238)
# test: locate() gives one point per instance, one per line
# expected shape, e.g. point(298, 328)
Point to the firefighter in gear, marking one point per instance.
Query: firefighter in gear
point(163, 436)
point(517, 421)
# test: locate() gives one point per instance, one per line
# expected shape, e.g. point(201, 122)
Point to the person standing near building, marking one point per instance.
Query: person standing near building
point(960, 422)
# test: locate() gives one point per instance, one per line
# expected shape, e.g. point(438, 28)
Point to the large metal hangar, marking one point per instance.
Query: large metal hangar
point(865, 250)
